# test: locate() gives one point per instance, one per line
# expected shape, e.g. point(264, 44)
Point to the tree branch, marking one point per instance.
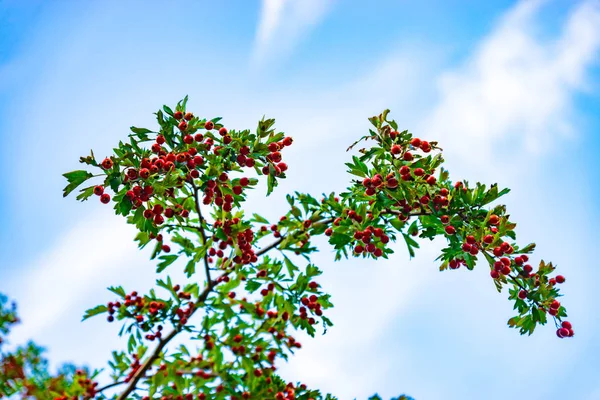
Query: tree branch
point(202, 232)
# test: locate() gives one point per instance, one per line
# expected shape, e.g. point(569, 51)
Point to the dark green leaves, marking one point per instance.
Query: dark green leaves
point(166, 261)
point(95, 311)
point(75, 178)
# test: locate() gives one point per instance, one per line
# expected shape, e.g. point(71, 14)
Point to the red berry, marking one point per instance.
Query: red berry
point(178, 115)
point(107, 163)
point(396, 149)
point(407, 156)
point(419, 172)
point(328, 232)
point(182, 126)
point(523, 294)
point(287, 141)
point(415, 142)
point(471, 239)
point(566, 325)
point(495, 274)
point(404, 170)
point(494, 219)
point(425, 146)
point(562, 332)
point(166, 248)
point(431, 180)
point(188, 116)
point(560, 279)
point(188, 139)
point(209, 125)
point(98, 190)
point(105, 198)
point(160, 139)
point(450, 230)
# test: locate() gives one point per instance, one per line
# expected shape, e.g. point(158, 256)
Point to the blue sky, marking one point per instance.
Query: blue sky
point(509, 89)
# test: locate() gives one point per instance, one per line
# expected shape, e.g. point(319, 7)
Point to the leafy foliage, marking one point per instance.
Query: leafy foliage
point(250, 281)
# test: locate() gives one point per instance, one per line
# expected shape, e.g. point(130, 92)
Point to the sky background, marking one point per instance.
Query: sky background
point(509, 89)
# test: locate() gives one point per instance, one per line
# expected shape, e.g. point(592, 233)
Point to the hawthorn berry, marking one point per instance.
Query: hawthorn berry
point(98, 190)
point(209, 125)
point(494, 219)
point(396, 149)
point(178, 115)
point(182, 126)
point(107, 163)
point(407, 156)
point(450, 230)
point(105, 198)
point(415, 142)
point(188, 116)
point(560, 279)
point(419, 172)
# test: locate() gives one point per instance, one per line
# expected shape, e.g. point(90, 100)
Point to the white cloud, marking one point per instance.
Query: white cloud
point(93, 250)
point(282, 24)
point(512, 82)
point(516, 87)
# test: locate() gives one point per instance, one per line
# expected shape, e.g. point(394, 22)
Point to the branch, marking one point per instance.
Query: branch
point(202, 232)
point(110, 385)
point(163, 342)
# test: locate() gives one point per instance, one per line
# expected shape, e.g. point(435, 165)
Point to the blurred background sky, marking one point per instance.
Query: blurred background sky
point(509, 89)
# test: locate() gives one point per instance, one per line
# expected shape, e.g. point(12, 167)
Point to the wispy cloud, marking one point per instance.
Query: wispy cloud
point(517, 87)
point(282, 24)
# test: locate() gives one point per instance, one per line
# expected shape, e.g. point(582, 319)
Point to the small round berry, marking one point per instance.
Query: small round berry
point(178, 115)
point(105, 198)
point(415, 142)
point(209, 125)
point(98, 190)
point(107, 163)
point(560, 279)
point(188, 116)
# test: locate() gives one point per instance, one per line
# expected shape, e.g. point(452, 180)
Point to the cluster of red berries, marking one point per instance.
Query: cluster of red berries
point(377, 183)
point(566, 330)
point(290, 392)
point(131, 300)
point(104, 197)
point(310, 303)
point(156, 213)
point(213, 191)
point(274, 157)
point(279, 335)
point(87, 384)
point(244, 242)
point(366, 237)
point(135, 365)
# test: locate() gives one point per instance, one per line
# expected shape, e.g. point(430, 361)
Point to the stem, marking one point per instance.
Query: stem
point(162, 343)
point(202, 232)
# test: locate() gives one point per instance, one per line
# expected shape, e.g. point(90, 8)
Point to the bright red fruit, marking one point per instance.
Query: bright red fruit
point(560, 279)
point(178, 115)
point(107, 163)
point(105, 198)
point(415, 142)
point(209, 125)
point(98, 190)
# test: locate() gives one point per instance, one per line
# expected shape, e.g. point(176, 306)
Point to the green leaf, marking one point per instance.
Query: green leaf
point(95, 311)
point(75, 178)
point(166, 261)
point(168, 110)
point(258, 218)
point(290, 266)
point(410, 243)
point(140, 131)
